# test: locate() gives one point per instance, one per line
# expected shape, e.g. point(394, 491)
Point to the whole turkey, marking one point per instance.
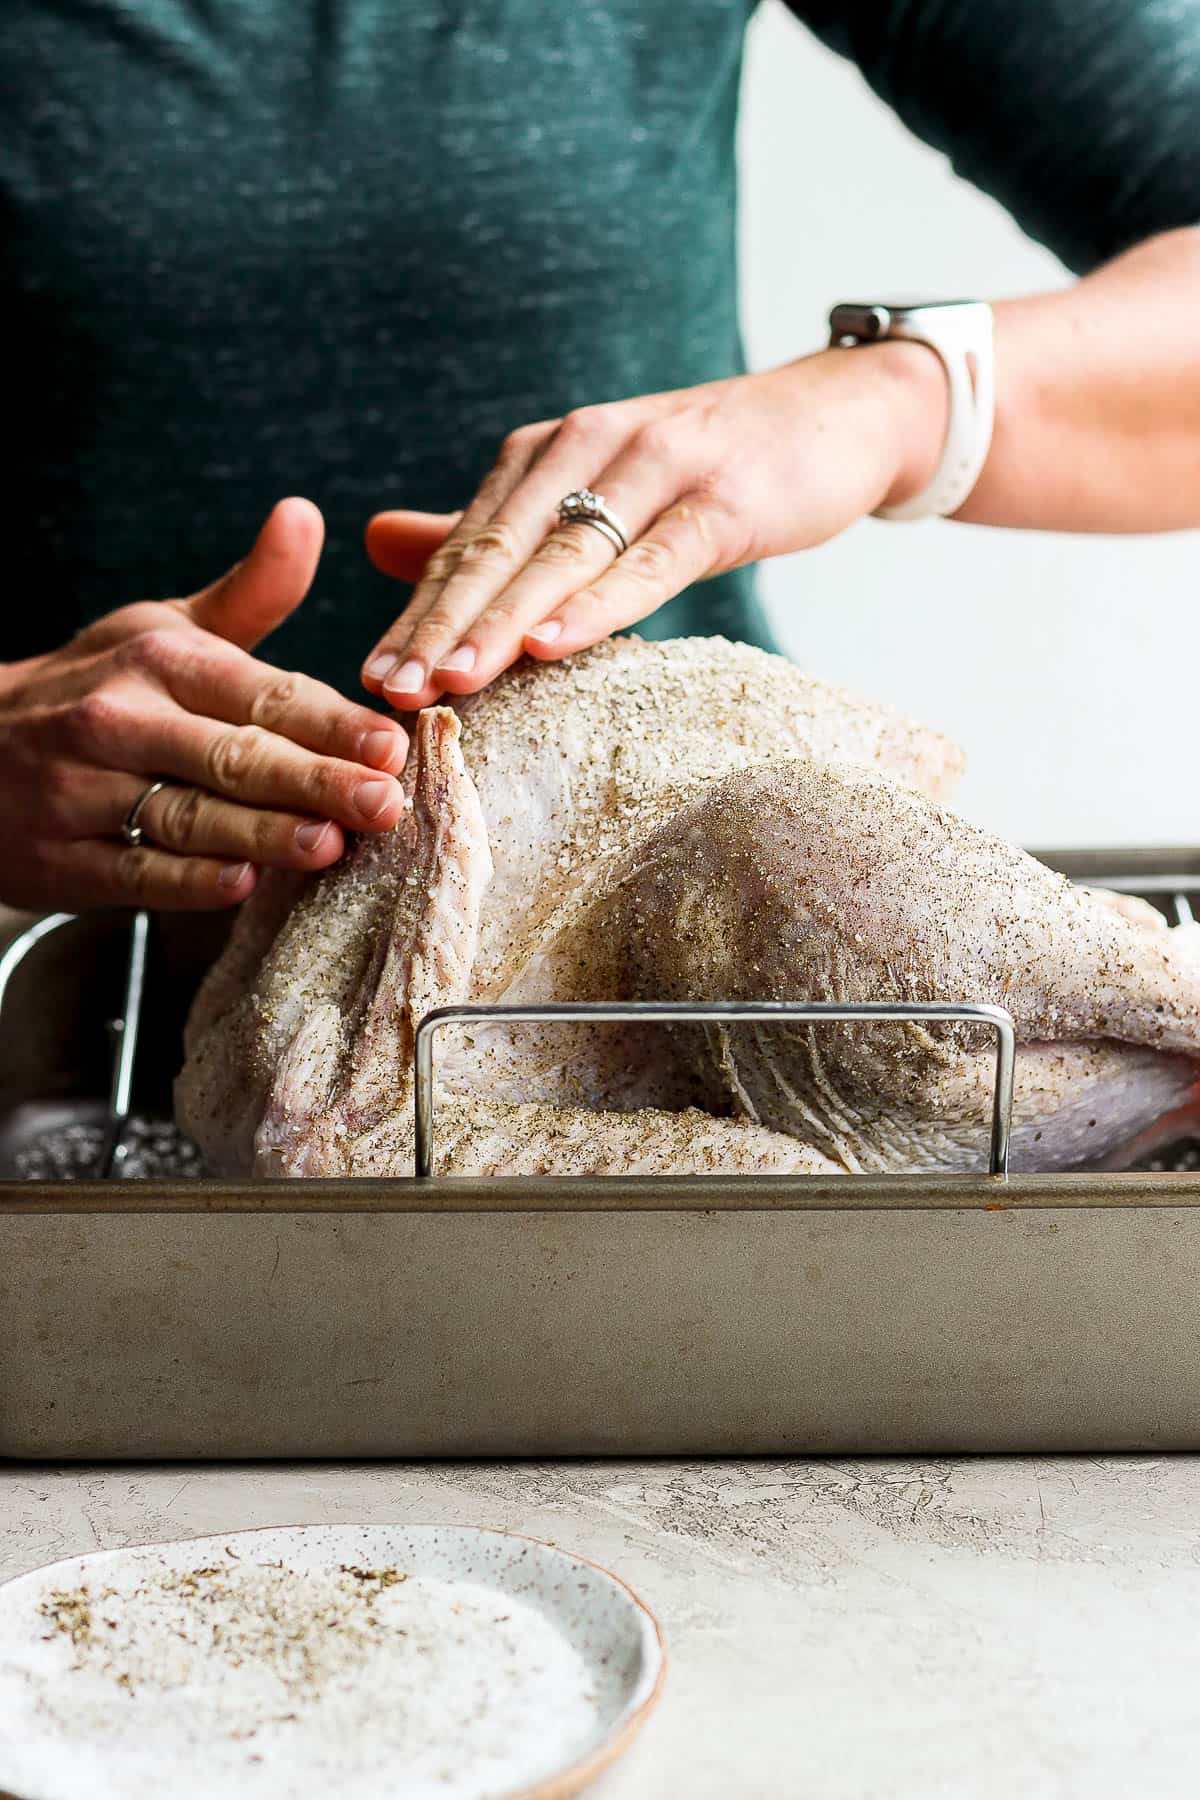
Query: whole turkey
point(688, 820)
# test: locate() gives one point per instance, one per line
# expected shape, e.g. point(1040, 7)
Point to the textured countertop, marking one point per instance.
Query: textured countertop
point(854, 1630)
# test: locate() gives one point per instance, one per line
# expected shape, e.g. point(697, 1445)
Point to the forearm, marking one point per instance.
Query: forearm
point(1098, 400)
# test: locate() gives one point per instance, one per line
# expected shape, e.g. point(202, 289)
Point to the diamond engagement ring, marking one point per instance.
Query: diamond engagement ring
point(582, 507)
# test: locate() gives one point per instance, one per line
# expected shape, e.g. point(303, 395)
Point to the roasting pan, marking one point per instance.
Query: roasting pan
point(198, 1319)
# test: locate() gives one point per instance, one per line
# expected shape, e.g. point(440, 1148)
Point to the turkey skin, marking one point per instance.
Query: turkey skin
point(691, 820)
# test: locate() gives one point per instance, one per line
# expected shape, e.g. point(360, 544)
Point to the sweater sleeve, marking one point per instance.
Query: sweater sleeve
point(1081, 117)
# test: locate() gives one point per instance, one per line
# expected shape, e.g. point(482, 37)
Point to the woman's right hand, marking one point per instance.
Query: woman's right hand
point(263, 768)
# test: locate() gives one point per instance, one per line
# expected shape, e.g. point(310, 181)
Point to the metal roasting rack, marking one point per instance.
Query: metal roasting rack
point(59, 1129)
point(735, 1012)
point(122, 1030)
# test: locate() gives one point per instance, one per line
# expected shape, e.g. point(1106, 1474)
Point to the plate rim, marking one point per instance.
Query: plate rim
point(560, 1785)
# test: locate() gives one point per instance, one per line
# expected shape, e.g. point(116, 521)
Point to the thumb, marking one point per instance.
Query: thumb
point(259, 593)
point(401, 543)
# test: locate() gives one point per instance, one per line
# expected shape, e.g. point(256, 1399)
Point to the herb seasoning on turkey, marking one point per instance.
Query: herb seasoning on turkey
point(684, 820)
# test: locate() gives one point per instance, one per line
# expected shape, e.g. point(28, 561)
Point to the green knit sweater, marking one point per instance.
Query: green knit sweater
point(341, 247)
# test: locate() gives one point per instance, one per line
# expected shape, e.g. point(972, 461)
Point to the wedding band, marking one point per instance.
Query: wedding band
point(609, 531)
point(582, 507)
point(132, 833)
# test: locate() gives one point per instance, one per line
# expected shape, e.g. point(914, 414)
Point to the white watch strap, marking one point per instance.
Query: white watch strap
point(972, 413)
point(960, 334)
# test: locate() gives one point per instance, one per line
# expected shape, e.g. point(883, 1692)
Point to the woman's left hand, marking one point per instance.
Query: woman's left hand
point(702, 479)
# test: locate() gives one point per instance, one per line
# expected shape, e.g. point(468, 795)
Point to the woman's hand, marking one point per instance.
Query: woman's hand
point(702, 479)
point(263, 767)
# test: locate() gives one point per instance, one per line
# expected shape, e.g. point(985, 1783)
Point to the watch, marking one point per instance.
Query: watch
point(960, 332)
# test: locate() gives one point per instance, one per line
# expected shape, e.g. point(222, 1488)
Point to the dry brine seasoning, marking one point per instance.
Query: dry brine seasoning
point(443, 1662)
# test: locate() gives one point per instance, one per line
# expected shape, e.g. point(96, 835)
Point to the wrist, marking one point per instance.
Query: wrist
point(916, 398)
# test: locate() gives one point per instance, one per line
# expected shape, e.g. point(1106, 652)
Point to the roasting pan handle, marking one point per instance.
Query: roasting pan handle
point(676, 1012)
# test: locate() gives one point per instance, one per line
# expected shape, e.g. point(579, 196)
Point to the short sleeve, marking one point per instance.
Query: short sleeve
point(1081, 117)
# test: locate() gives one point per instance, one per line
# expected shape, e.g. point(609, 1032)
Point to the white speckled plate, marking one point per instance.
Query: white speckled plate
point(380, 1662)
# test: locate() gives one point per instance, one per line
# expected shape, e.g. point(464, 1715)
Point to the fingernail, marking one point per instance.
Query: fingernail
point(546, 634)
point(379, 747)
point(309, 836)
point(379, 668)
point(233, 874)
point(408, 679)
point(370, 797)
point(459, 660)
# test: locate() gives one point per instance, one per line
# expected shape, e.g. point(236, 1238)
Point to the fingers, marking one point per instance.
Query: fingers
point(691, 540)
point(190, 822)
point(397, 667)
point(129, 729)
point(218, 681)
point(480, 641)
point(89, 873)
point(199, 850)
point(479, 620)
point(401, 543)
point(491, 558)
point(79, 802)
point(256, 768)
point(488, 633)
point(259, 593)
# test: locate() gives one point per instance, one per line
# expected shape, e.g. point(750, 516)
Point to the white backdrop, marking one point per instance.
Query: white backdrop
point(1067, 667)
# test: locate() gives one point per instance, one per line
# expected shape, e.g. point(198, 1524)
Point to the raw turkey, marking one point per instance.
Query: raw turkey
point(695, 820)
